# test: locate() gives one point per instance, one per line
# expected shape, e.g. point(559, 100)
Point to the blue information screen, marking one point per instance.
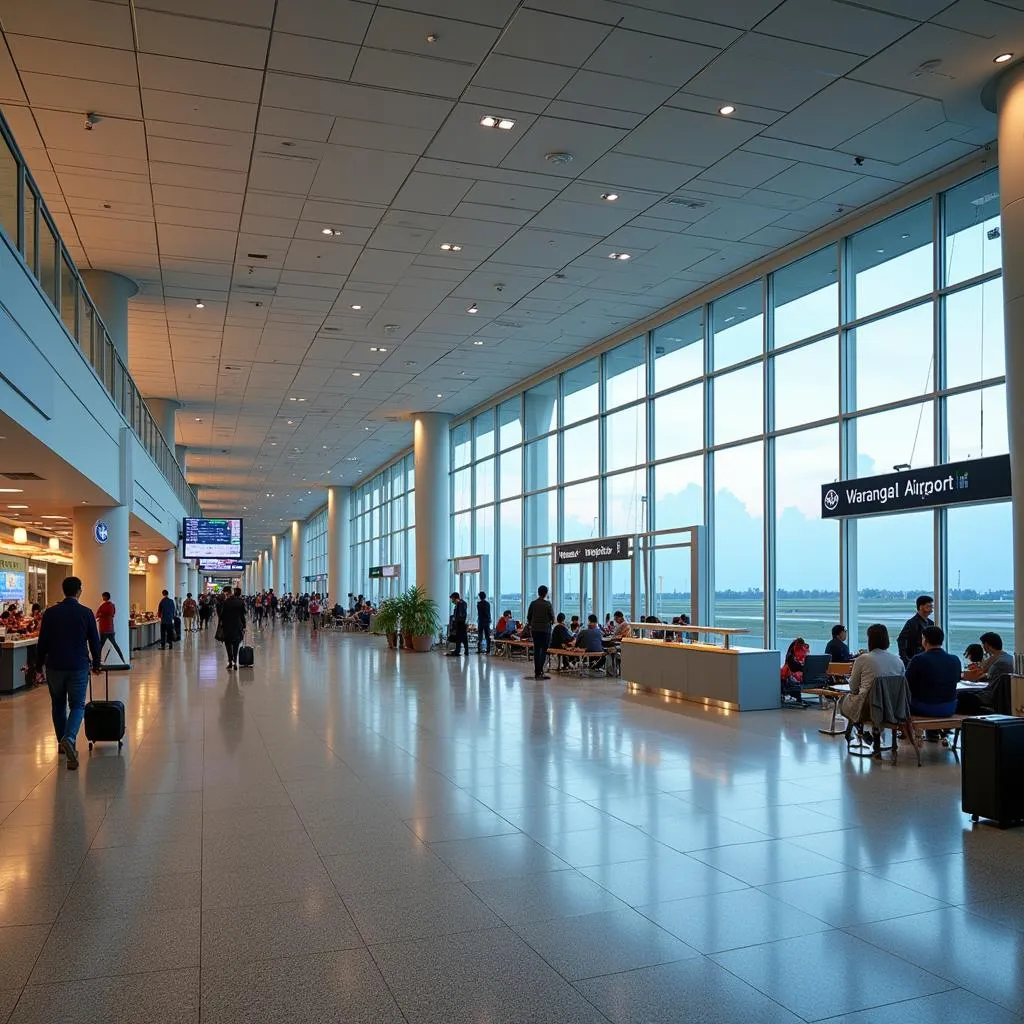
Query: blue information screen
point(12, 586)
point(213, 538)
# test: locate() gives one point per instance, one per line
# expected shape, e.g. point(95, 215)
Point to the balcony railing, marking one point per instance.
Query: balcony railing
point(29, 227)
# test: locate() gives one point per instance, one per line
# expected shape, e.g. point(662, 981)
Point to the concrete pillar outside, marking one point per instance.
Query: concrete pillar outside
point(298, 547)
point(432, 457)
point(1010, 102)
point(110, 293)
point(103, 565)
point(339, 530)
point(160, 577)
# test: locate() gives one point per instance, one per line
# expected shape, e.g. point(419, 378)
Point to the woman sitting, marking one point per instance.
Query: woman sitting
point(793, 671)
point(877, 662)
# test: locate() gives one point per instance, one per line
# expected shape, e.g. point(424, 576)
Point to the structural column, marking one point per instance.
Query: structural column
point(432, 458)
point(1010, 101)
point(160, 577)
point(181, 580)
point(103, 564)
point(193, 580)
point(339, 515)
point(276, 563)
point(165, 411)
point(268, 571)
point(110, 292)
point(298, 549)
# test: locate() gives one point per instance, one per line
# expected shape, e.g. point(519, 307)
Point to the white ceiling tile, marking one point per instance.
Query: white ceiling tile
point(197, 177)
point(832, 24)
point(114, 136)
point(197, 198)
point(906, 134)
point(73, 60)
point(686, 136)
point(616, 92)
point(585, 142)
point(273, 172)
point(246, 12)
point(183, 241)
point(176, 151)
point(582, 217)
point(107, 101)
point(326, 212)
point(321, 58)
point(620, 170)
point(650, 58)
point(922, 10)
point(548, 37)
point(485, 12)
point(431, 193)
point(745, 169)
point(199, 110)
point(371, 135)
point(809, 181)
point(77, 21)
point(293, 124)
point(342, 20)
point(411, 73)
point(504, 100)
point(197, 78)
point(201, 39)
point(405, 31)
point(512, 74)
point(625, 119)
point(368, 176)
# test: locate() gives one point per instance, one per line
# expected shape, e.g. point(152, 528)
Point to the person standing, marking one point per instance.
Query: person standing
point(540, 618)
point(68, 642)
point(459, 628)
point(167, 612)
point(188, 613)
point(105, 623)
point(314, 613)
point(232, 625)
point(483, 624)
point(910, 642)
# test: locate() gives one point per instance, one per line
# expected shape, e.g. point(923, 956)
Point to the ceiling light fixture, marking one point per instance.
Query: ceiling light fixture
point(11, 490)
point(200, 304)
point(478, 343)
point(356, 373)
point(17, 506)
point(727, 110)
point(55, 543)
point(439, 395)
point(474, 308)
point(451, 247)
point(152, 559)
point(1002, 58)
point(333, 232)
point(492, 121)
point(356, 306)
point(609, 197)
point(619, 256)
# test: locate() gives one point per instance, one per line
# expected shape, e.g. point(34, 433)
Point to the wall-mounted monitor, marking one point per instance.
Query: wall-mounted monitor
point(221, 565)
point(213, 538)
point(12, 587)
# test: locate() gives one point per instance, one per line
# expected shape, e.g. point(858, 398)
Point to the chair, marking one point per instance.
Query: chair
point(816, 671)
point(887, 707)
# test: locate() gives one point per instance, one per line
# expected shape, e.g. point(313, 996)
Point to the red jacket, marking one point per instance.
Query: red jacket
point(105, 617)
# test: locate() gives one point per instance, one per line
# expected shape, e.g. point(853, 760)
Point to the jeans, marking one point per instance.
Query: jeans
point(104, 637)
point(460, 634)
point(483, 637)
point(232, 648)
point(67, 690)
point(541, 642)
point(167, 634)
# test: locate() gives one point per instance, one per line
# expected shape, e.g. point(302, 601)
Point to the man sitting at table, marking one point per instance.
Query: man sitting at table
point(997, 665)
point(591, 640)
point(620, 629)
point(837, 648)
point(561, 637)
point(506, 627)
point(932, 677)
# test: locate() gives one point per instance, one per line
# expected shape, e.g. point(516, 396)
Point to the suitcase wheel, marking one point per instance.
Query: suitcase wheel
point(974, 818)
point(90, 746)
point(119, 744)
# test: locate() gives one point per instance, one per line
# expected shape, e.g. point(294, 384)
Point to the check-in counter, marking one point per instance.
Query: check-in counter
point(738, 678)
point(14, 656)
point(144, 634)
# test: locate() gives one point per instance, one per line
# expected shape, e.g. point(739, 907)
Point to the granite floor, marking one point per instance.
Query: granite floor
point(344, 833)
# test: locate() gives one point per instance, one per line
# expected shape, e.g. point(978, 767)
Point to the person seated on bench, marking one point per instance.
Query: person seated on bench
point(561, 637)
point(591, 640)
point(574, 626)
point(974, 655)
point(837, 648)
point(506, 627)
point(793, 671)
point(997, 665)
point(932, 676)
point(877, 662)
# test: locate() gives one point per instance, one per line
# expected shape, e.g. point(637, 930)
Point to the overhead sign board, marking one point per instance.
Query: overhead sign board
point(954, 483)
point(467, 564)
point(598, 549)
point(385, 572)
point(212, 538)
point(222, 565)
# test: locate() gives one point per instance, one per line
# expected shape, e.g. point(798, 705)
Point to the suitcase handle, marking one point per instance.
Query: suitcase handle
point(106, 683)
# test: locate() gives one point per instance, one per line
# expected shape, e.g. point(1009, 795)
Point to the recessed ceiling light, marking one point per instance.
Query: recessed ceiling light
point(330, 231)
point(1002, 58)
point(504, 123)
point(477, 342)
point(609, 197)
point(619, 256)
point(381, 349)
point(366, 428)
point(292, 399)
point(200, 304)
point(451, 247)
point(727, 109)
point(356, 306)
point(301, 399)
point(17, 506)
point(199, 419)
point(291, 423)
point(474, 308)
point(356, 373)
point(439, 395)
point(12, 490)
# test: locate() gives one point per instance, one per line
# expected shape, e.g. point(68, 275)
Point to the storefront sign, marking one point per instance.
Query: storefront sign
point(955, 483)
point(599, 549)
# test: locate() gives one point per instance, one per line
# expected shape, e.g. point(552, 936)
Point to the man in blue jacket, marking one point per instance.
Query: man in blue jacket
point(67, 637)
point(166, 610)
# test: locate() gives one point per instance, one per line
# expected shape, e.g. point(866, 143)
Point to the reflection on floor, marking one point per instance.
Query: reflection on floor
point(346, 833)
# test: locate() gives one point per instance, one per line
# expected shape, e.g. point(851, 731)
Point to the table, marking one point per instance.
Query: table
point(14, 656)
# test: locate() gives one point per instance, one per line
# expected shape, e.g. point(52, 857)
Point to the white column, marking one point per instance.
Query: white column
point(193, 580)
point(268, 571)
point(180, 578)
point(431, 453)
point(339, 514)
point(110, 292)
point(103, 565)
point(165, 411)
point(298, 548)
point(276, 563)
point(160, 577)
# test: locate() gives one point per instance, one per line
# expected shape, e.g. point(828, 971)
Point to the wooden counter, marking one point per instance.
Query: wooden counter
point(738, 678)
point(14, 655)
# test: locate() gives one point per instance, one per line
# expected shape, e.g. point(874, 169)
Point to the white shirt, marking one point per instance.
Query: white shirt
point(871, 666)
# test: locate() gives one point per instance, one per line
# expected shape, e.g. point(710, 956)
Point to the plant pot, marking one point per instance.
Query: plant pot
point(422, 644)
point(407, 641)
point(392, 639)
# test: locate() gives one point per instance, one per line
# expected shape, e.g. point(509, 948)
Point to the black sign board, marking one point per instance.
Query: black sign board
point(955, 483)
point(379, 572)
point(598, 549)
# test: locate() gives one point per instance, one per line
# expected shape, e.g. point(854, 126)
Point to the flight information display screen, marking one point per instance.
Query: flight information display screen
point(213, 538)
point(221, 565)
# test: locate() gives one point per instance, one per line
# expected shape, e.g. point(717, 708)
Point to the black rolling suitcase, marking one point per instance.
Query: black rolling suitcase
point(992, 750)
point(177, 628)
point(104, 719)
point(245, 656)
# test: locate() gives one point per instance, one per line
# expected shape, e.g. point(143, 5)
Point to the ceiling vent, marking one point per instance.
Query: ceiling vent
point(257, 255)
point(508, 323)
point(690, 204)
point(21, 476)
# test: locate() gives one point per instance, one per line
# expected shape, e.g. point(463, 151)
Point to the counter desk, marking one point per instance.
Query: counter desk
point(144, 634)
point(737, 678)
point(14, 656)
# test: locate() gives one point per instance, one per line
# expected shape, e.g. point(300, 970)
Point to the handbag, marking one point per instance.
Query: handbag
point(219, 635)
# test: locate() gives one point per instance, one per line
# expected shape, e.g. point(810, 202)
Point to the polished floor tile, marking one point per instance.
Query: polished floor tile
point(346, 833)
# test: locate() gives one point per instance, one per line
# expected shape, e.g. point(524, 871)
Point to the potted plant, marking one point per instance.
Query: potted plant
point(386, 620)
point(420, 619)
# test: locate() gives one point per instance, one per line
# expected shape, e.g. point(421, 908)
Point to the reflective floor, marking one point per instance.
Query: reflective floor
point(348, 834)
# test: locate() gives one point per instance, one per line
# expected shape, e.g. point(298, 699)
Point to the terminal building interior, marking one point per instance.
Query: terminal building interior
point(507, 511)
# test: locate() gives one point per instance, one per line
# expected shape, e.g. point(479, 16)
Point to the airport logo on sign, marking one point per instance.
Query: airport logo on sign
point(101, 532)
point(831, 500)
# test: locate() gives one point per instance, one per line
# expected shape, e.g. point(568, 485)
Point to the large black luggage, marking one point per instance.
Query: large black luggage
point(104, 719)
point(245, 656)
point(177, 628)
point(992, 748)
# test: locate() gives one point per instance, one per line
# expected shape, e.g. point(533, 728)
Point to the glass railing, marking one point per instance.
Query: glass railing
point(29, 228)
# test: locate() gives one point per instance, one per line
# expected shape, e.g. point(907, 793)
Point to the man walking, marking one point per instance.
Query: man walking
point(105, 623)
point(483, 624)
point(540, 618)
point(459, 630)
point(167, 612)
point(68, 642)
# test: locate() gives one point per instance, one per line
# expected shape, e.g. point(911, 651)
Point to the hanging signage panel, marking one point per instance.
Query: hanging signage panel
point(468, 564)
point(384, 572)
point(598, 549)
point(955, 483)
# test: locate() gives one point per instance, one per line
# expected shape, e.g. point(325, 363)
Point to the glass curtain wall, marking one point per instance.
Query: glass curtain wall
point(314, 567)
point(883, 349)
point(383, 529)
